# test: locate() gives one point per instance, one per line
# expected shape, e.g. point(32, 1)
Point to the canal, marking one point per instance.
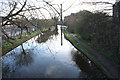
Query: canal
point(44, 57)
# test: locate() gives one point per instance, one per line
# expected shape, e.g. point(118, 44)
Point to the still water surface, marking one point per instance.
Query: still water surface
point(47, 59)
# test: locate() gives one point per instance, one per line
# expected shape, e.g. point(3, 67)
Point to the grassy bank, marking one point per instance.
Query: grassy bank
point(78, 46)
point(6, 46)
point(87, 54)
point(108, 54)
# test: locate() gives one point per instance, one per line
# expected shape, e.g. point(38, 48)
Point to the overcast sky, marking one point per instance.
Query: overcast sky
point(77, 5)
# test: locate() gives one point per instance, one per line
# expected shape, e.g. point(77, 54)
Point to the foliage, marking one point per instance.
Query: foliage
point(108, 54)
point(42, 23)
point(96, 28)
point(76, 43)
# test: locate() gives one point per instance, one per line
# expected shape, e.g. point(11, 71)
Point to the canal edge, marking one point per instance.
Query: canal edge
point(92, 58)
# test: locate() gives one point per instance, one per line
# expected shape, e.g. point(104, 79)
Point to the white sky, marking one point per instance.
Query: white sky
point(76, 7)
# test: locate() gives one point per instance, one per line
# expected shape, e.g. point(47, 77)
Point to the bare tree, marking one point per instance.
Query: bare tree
point(19, 16)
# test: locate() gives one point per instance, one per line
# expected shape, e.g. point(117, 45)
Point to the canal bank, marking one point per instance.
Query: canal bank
point(48, 59)
point(101, 61)
point(7, 46)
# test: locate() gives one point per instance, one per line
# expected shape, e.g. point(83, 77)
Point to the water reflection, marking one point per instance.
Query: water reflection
point(89, 69)
point(47, 59)
point(16, 60)
point(25, 58)
point(47, 35)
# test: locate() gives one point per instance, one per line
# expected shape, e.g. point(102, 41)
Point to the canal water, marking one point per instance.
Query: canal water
point(37, 58)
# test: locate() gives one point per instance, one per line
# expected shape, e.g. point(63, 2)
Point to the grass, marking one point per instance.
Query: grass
point(6, 46)
point(88, 53)
point(83, 49)
point(109, 55)
point(45, 29)
point(76, 43)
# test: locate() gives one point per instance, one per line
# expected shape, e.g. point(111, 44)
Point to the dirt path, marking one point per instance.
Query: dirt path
point(108, 65)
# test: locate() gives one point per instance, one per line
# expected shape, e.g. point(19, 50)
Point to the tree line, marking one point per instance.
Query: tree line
point(23, 15)
point(98, 28)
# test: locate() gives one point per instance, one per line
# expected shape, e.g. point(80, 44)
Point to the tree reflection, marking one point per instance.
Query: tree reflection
point(47, 35)
point(25, 58)
point(83, 63)
point(18, 59)
point(23, 51)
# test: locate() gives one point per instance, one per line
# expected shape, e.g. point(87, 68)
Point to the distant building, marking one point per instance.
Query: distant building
point(116, 11)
